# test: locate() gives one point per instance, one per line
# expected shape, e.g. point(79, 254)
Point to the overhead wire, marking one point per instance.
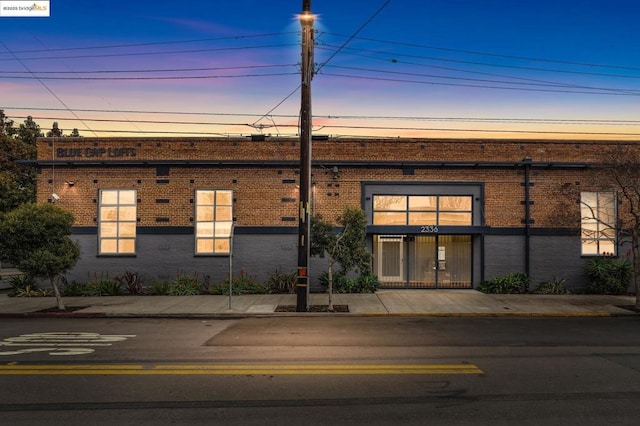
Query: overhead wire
point(394, 61)
point(493, 54)
point(135, 71)
point(184, 77)
point(390, 117)
point(353, 117)
point(397, 80)
point(614, 89)
point(536, 85)
point(361, 127)
point(325, 62)
point(488, 64)
point(111, 55)
point(48, 89)
point(157, 43)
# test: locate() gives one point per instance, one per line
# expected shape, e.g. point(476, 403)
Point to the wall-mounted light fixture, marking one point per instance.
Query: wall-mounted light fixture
point(335, 171)
point(70, 183)
point(55, 197)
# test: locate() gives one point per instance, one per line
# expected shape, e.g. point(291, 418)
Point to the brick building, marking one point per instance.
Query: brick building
point(442, 213)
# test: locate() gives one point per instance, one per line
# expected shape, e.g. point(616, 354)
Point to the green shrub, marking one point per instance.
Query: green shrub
point(342, 284)
point(367, 283)
point(282, 282)
point(25, 286)
point(104, 287)
point(29, 290)
point(553, 286)
point(132, 282)
point(513, 283)
point(21, 281)
point(46, 292)
point(74, 289)
point(608, 275)
point(242, 284)
point(185, 285)
point(324, 279)
point(159, 288)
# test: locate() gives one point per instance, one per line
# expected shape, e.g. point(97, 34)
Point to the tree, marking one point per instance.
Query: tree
point(346, 247)
point(35, 239)
point(17, 181)
point(55, 131)
point(622, 167)
point(29, 132)
point(6, 125)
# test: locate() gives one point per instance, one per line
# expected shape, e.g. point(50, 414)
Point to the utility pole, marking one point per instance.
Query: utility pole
point(304, 219)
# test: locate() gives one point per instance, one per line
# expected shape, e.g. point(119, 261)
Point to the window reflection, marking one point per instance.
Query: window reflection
point(422, 210)
point(598, 223)
point(214, 221)
point(117, 215)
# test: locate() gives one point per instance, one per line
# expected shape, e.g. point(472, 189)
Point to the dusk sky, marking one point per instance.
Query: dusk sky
point(408, 68)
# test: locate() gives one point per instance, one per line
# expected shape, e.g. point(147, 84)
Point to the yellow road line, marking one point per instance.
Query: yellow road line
point(216, 369)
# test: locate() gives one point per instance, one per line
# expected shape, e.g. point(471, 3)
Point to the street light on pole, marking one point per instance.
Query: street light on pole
point(304, 219)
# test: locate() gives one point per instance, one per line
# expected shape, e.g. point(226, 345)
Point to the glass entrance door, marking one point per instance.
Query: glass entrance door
point(454, 261)
point(431, 261)
point(422, 262)
point(389, 265)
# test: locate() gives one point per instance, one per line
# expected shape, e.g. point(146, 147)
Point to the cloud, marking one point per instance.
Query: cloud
point(200, 26)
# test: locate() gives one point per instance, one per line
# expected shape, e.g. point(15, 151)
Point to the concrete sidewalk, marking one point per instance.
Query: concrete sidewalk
point(382, 303)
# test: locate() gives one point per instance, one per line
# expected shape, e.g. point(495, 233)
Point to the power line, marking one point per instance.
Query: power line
point(155, 70)
point(325, 62)
point(497, 55)
point(191, 123)
point(47, 88)
point(328, 116)
point(111, 55)
point(159, 43)
point(396, 61)
point(480, 86)
point(548, 84)
point(332, 47)
point(344, 45)
point(354, 37)
point(482, 130)
point(142, 112)
point(184, 77)
point(353, 127)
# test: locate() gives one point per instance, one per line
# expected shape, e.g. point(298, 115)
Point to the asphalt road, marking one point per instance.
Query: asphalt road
point(321, 370)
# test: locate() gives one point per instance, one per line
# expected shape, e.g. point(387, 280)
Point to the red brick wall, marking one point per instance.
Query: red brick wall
point(259, 192)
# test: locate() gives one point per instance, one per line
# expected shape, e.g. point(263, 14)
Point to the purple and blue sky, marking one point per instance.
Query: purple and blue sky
point(409, 68)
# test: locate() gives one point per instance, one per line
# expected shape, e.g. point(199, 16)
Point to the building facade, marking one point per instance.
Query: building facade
point(442, 213)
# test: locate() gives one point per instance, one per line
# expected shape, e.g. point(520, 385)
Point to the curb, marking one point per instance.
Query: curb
point(240, 315)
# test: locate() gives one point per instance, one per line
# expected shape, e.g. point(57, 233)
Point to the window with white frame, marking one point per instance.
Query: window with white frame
point(214, 220)
point(598, 223)
point(117, 222)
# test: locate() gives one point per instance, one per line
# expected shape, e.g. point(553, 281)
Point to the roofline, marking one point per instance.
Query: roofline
point(315, 163)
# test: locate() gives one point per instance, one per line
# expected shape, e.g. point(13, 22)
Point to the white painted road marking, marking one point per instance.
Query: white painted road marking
point(60, 343)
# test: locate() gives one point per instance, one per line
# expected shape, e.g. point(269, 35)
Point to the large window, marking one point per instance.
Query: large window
point(598, 220)
point(448, 210)
point(117, 222)
point(214, 219)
